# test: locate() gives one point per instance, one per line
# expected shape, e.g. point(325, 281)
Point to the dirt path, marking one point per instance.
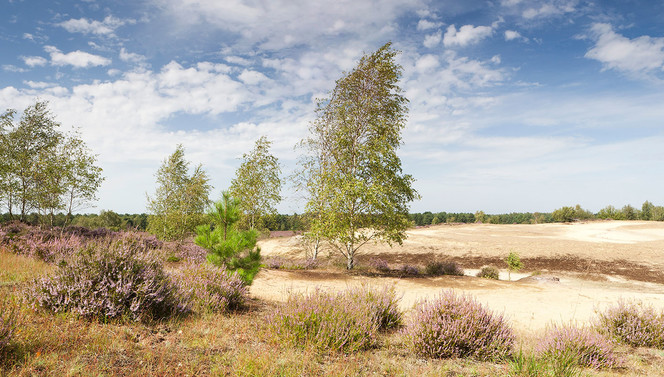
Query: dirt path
point(597, 264)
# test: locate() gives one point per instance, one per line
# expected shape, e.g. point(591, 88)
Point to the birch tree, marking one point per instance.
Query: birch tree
point(257, 182)
point(358, 191)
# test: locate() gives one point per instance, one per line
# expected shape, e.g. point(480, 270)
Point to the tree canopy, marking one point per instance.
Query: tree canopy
point(357, 190)
point(43, 169)
point(179, 203)
point(257, 183)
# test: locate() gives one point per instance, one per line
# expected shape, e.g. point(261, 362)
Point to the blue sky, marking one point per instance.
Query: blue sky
point(515, 105)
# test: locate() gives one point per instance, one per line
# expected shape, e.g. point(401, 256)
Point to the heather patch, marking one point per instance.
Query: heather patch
point(585, 346)
point(348, 321)
point(210, 288)
point(633, 323)
point(458, 326)
point(110, 280)
point(279, 263)
point(409, 270)
point(437, 268)
point(379, 265)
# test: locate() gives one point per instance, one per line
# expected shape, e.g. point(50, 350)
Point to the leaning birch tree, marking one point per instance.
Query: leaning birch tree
point(358, 191)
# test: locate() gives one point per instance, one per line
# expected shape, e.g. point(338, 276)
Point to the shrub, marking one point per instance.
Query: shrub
point(443, 268)
point(275, 263)
point(8, 319)
point(458, 326)
point(408, 269)
point(210, 288)
point(634, 324)
point(346, 322)
point(488, 272)
point(110, 279)
point(588, 348)
point(380, 265)
point(513, 263)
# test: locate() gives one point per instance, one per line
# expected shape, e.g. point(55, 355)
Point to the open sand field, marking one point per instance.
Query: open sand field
point(597, 263)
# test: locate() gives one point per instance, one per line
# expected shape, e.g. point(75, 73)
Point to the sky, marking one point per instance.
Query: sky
point(515, 105)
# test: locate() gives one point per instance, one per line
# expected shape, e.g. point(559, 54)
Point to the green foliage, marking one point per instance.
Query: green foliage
point(629, 213)
point(488, 272)
point(646, 211)
point(513, 263)
point(609, 212)
point(43, 169)
point(356, 189)
point(569, 214)
point(227, 246)
point(179, 203)
point(257, 183)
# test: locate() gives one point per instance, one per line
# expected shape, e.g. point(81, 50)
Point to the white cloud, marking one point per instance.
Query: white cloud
point(466, 35)
point(279, 24)
point(549, 9)
point(636, 56)
point(432, 40)
point(426, 63)
point(37, 84)
point(33, 61)
point(85, 26)
point(28, 36)
point(238, 60)
point(512, 35)
point(252, 77)
point(13, 68)
point(426, 25)
point(78, 59)
point(131, 57)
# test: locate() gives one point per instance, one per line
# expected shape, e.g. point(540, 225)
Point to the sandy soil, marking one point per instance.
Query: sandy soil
point(597, 263)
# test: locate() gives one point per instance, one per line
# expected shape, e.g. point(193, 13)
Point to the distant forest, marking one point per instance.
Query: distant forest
point(296, 222)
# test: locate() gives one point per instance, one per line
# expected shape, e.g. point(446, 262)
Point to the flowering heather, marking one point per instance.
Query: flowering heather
point(633, 323)
point(458, 326)
point(587, 347)
point(380, 265)
point(210, 288)
point(346, 322)
point(110, 279)
point(409, 270)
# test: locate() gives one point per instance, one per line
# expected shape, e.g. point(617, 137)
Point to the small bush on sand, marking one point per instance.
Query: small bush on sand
point(107, 280)
point(409, 270)
point(586, 347)
point(436, 268)
point(345, 322)
point(633, 323)
point(380, 265)
point(458, 326)
point(210, 288)
point(488, 272)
